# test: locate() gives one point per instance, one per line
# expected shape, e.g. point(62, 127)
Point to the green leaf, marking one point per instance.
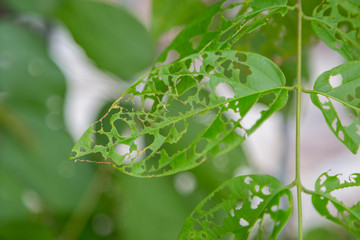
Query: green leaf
point(170, 13)
point(326, 204)
point(219, 27)
point(251, 205)
point(343, 85)
point(165, 101)
point(110, 36)
point(337, 23)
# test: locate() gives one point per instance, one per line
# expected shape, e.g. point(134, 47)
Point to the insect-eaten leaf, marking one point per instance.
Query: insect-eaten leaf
point(331, 208)
point(221, 90)
point(337, 23)
point(221, 26)
point(245, 207)
point(341, 84)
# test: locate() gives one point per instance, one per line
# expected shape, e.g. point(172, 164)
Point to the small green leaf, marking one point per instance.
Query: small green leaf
point(219, 27)
point(343, 85)
point(110, 36)
point(337, 23)
point(217, 89)
point(251, 204)
point(326, 204)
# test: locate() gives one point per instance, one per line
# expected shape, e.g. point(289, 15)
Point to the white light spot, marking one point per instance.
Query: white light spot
point(32, 201)
point(335, 81)
point(102, 225)
point(243, 222)
point(185, 183)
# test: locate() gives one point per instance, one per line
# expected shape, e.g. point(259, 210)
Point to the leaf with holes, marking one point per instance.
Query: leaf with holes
point(220, 26)
point(254, 205)
point(343, 85)
point(337, 23)
point(326, 204)
point(220, 90)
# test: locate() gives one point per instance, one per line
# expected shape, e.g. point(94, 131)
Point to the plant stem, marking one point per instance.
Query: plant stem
point(298, 116)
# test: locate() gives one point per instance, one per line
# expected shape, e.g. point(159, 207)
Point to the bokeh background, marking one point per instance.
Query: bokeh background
point(62, 62)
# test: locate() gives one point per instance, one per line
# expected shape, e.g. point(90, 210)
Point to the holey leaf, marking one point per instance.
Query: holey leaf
point(216, 89)
point(343, 85)
point(253, 205)
point(221, 26)
point(337, 23)
point(333, 209)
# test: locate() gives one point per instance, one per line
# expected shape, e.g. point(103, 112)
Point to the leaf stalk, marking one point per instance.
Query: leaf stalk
point(298, 117)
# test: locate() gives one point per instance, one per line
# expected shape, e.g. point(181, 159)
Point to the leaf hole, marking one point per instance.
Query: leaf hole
point(231, 13)
point(332, 209)
point(255, 202)
point(342, 11)
point(335, 81)
point(122, 128)
point(323, 179)
point(274, 208)
point(327, 12)
point(201, 145)
point(323, 189)
point(266, 190)
point(224, 90)
point(195, 41)
point(243, 222)
point(257, 188)
point(248, 180)
point(172, 56)
point(140, 87)
point(215, 23)
point(341, 135)
point(148, 104)
point(240, 132)
point(253, 115)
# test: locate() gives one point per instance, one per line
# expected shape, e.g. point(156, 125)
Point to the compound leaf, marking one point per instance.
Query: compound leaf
point(221, 26)
point(250, 205)
point(326, 204)
point(217, 89)
point(337, 23)
point(343, 85)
